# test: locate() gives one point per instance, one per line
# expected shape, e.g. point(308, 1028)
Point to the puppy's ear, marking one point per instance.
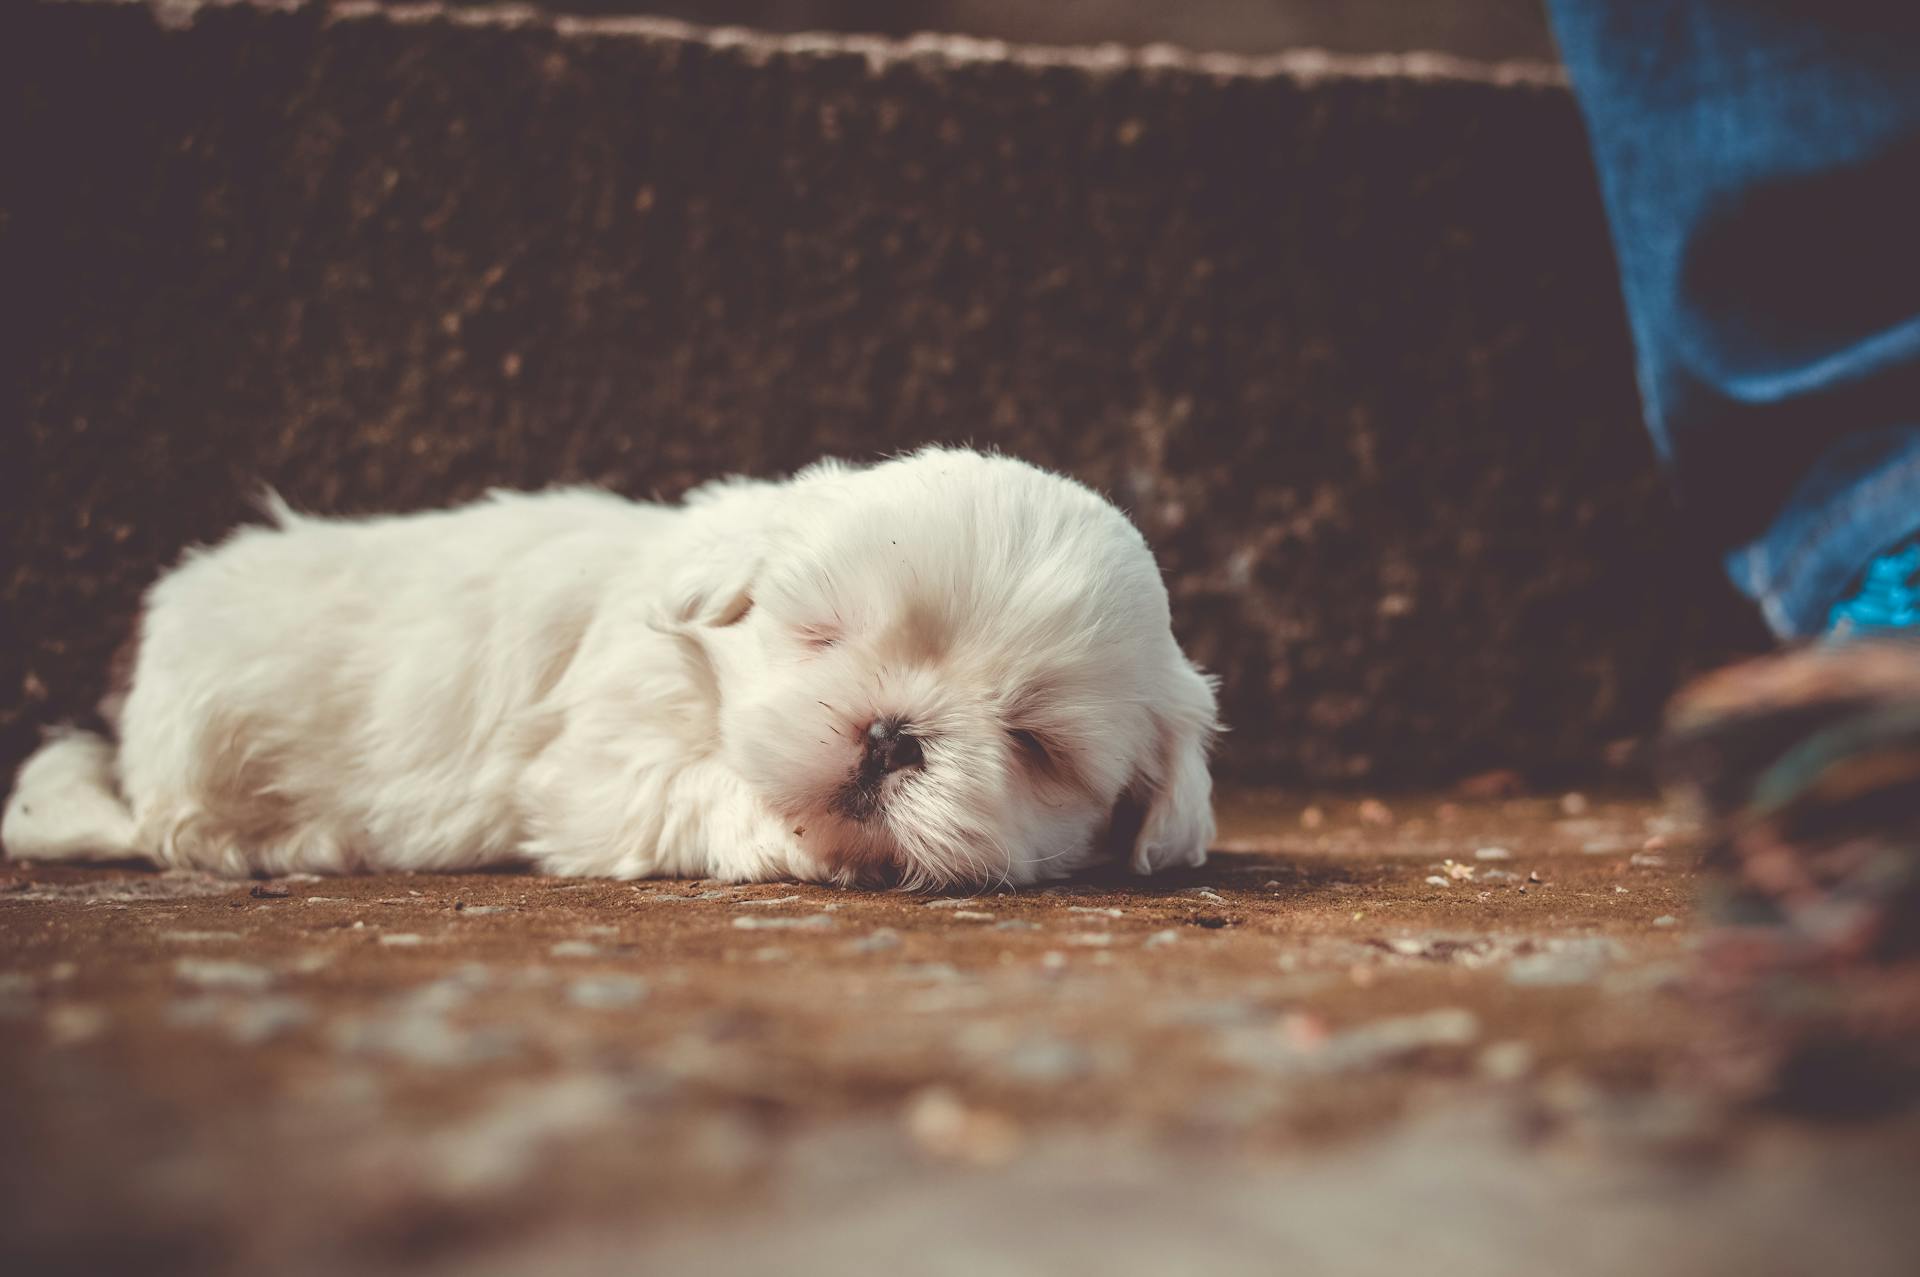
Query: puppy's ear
point(714, 588)
point(713, 585)
point(1164, 819)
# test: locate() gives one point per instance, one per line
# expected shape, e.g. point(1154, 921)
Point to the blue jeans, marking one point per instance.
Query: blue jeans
point(1760, 163)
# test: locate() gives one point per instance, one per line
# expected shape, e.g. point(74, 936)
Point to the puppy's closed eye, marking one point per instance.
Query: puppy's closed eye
point(817, 638)
point(1035, 750)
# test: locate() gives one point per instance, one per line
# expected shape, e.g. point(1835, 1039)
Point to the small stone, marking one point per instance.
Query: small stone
point(1666, 920)
point(75, 1025)
point(1016, 924)
point(1089, 939)
point(950, 902)
point(1312, 818)
point(1568, 962)
point(574, 949)
point(812, 922)
point(972, 915)
point(402, 940)
point(1498, 875)
point(946, 1128)
point(269, 891)
point(1390, 1039)
point(774, 900)
point(1492, 853)
point(249, 1022)
point(1207, 893)
point(606, 992)
point(421, 1039)
point(1435, 880)
point(1534, 876)
point(1045, 1060)
point(1302, 1045)
point(483, 911)
point(1650, 977)
point(1053, 960)
point(1374, 812)
point(196, 1012)
point(1506, 1061)
point(1098, 910)
point(1161, 939)
point(209, 973)
point(939, 972)
point(1646, 860)
point(1573, 804)
point(882, 940)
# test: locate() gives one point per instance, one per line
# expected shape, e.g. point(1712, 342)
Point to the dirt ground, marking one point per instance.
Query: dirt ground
point(1368, 1036)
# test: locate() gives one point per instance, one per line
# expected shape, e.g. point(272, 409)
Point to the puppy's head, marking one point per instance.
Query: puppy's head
point(955, 670)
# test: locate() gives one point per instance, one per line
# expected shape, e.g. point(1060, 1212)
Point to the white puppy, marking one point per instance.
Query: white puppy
point(945, 670)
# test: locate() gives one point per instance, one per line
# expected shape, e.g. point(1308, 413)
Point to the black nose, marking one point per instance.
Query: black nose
point(891, 747)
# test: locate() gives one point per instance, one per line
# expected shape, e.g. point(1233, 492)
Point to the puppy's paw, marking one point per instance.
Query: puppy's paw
point(64, 806)
point(747, 842)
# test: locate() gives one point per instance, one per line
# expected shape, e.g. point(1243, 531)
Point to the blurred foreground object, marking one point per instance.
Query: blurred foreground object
point(1807, 767)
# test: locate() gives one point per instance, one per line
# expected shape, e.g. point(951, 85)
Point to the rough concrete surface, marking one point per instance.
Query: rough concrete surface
point(1341, 334)
point(1470, 28)
point(1433, 1037)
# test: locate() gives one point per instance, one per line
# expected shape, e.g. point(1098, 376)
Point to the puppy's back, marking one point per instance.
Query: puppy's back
point(320, 692)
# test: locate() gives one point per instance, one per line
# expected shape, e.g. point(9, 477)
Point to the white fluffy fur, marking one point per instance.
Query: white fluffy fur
point(603, 687)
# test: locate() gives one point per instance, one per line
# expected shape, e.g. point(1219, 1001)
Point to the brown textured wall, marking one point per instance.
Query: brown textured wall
point(1344, 338)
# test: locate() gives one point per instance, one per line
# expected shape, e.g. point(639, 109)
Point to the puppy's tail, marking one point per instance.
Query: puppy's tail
point(66, 806)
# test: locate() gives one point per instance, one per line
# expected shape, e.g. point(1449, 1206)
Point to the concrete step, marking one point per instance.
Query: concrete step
point(1341, 333)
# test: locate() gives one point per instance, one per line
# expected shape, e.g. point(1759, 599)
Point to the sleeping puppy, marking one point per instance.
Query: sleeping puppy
point(946, 670)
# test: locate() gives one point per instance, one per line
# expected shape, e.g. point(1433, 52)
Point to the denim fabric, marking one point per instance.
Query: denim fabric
point(1760, 163)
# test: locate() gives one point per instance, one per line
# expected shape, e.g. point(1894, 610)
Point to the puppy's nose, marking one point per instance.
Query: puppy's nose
point(891, 747)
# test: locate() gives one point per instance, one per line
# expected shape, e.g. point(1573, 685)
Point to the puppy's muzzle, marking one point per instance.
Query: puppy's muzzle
point(888, 748)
